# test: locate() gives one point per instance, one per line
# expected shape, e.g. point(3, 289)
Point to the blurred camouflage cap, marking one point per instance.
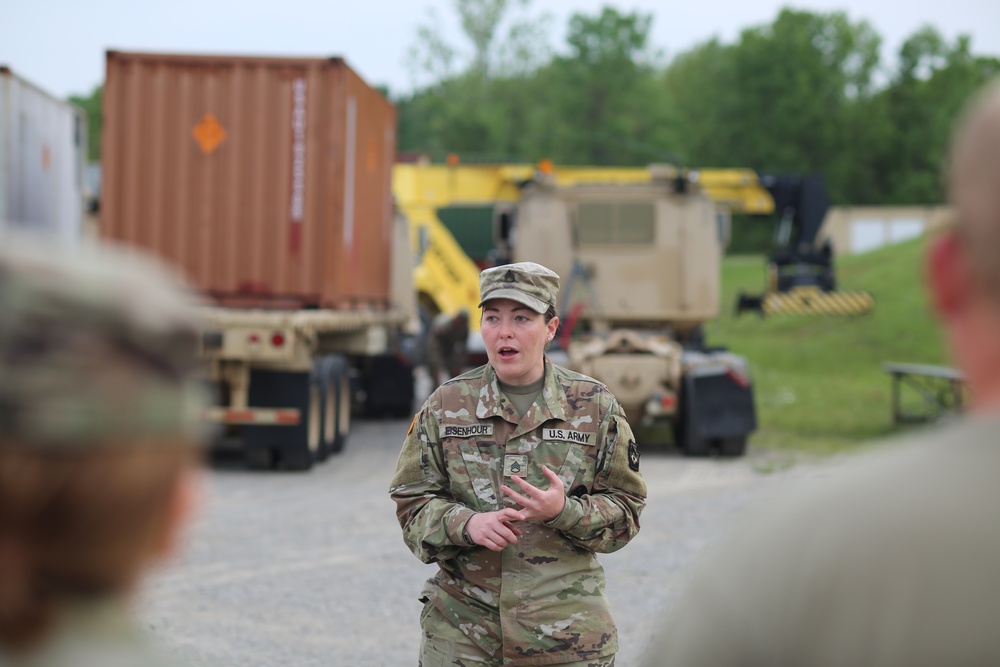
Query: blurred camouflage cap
point(525, 282)
point(97, 345)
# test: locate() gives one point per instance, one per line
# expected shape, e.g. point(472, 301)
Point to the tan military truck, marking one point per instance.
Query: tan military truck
point(641, 269)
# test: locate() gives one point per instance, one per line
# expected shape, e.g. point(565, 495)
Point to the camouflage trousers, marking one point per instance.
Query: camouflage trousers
point(444, 645)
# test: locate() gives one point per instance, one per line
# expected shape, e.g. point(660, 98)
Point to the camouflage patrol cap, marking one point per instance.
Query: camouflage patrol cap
point(97, 346)
point(525, 282)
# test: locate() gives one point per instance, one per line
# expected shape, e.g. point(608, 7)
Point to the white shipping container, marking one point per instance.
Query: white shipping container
point(43, 145)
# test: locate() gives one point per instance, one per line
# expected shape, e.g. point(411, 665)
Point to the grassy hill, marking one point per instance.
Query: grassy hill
point(819, 381)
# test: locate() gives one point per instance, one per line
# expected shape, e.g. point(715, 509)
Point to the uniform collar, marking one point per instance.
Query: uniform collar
point(550, 404)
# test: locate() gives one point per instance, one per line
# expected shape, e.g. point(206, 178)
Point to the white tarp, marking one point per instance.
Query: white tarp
point(868, 234)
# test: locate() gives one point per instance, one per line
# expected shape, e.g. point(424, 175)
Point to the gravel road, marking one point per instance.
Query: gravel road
point(304, 569)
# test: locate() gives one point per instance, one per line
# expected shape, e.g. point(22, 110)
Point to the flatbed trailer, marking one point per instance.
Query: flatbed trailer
point(289, 379)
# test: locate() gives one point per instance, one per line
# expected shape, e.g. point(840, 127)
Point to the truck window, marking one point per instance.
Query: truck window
point(616, 224)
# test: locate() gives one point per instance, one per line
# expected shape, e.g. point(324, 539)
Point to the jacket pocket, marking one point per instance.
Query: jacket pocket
point(473, 471)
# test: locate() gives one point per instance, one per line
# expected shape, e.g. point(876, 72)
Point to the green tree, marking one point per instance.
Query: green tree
point(791, 96)
point(506, 38)
point(932, 82)
point(599, 96)
point(478, 111)
point(595, 105)
point(800, 94)
point(92, 106)
point(699, 106)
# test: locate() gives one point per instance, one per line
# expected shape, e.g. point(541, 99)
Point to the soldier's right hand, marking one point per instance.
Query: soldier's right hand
point(494, 530)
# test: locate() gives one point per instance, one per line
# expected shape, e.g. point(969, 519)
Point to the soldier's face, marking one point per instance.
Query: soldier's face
point(515, 338)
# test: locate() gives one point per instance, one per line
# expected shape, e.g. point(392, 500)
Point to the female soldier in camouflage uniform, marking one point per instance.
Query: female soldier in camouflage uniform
point(512, 477)
point(98, 446)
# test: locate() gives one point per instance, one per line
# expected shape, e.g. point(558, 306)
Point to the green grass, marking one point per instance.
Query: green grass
point(819, 383)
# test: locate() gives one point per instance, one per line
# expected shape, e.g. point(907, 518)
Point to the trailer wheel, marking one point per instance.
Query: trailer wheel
point(291, 447)
point(337, 418)
point(301, 454)
point(323, 450)
point(260, 457)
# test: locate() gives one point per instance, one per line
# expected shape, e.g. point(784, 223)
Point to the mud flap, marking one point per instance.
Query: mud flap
point(717, 411)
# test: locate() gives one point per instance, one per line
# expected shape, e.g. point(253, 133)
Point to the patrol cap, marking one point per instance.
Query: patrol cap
point(525, 282)
point(98, 345)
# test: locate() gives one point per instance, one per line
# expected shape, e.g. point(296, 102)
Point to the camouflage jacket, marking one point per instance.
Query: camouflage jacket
point(540, 601)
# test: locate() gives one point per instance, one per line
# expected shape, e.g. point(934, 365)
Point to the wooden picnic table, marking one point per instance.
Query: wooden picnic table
point(941, 389)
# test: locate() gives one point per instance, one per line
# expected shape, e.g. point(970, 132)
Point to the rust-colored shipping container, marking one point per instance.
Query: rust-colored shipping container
point(266, 180)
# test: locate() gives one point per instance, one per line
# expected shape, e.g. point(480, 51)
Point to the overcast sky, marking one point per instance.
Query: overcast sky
point(59, 44)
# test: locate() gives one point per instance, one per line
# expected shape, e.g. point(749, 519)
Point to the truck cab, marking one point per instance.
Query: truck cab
point(641, 269)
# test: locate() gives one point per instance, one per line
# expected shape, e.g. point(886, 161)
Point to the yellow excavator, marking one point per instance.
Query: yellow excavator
point(447, 278)
point(800, 274)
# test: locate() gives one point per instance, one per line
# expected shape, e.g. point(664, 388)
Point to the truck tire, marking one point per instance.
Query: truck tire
point(686, 431)
point(690, 443)
point(716, 416)
point(733, 447)
point(291, 447)
point(337, 400)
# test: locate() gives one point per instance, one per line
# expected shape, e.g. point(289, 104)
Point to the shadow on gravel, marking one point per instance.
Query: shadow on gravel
point(226, 461)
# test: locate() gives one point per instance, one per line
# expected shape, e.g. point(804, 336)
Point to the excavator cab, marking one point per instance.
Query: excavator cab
point(800, 270)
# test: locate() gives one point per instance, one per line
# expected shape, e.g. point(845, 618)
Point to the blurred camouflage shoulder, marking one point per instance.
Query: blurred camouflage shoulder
point(96, 343)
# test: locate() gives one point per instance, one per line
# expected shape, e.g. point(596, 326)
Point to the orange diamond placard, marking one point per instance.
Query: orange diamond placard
point(209, 133)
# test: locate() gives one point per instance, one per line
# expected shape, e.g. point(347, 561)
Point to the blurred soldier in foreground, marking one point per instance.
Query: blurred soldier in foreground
point(99, 445)
point(894, 562)
point(447, 355)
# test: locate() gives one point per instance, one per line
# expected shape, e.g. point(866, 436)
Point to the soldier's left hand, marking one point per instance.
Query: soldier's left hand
point(538, 504)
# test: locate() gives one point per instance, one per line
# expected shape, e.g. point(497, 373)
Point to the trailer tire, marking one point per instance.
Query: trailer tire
point(293, 447)
point(323, 450)
point(301, 453)
point(260, 457)
point(337, 412)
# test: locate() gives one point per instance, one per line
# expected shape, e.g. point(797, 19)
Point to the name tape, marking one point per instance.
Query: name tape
point(465, 430)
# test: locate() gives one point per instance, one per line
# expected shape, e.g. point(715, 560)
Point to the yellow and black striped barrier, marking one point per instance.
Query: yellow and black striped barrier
point(814, 301)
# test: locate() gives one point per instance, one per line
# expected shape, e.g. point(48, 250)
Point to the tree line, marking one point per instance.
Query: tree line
point(807, 93)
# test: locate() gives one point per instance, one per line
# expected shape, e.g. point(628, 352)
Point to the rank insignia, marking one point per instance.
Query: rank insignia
point(515, 464)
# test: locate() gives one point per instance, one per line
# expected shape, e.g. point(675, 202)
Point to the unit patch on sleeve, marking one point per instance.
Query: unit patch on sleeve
point(569, 435)
point(466, 430)
point(633, 455)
